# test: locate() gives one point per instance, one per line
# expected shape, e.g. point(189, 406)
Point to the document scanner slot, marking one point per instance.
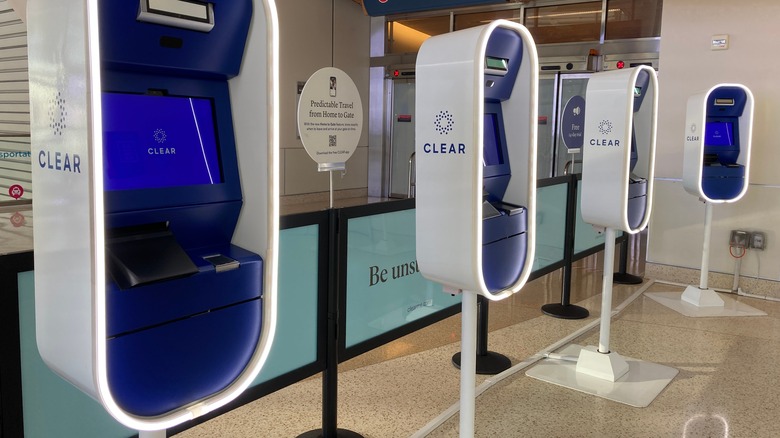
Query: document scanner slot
point(146, 254)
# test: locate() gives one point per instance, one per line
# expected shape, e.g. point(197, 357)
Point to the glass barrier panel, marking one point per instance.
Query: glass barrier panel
point(384, 287)
point(550, 225)
point(295, 343)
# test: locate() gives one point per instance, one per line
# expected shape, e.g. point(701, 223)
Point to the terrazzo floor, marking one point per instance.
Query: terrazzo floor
point(727, 386)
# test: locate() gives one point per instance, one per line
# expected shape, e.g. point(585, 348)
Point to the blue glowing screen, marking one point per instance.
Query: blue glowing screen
point(719, 134)
point(152, 141)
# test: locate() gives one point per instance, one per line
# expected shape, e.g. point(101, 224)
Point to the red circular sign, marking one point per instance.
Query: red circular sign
point(16, 191)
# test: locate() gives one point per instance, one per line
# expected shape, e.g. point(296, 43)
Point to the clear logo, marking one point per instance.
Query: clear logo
point(444, 122)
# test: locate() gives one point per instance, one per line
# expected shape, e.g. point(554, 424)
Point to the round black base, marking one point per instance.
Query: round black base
point(569, 311)
point(623, 278)
point(487, 364)
point(340, 433)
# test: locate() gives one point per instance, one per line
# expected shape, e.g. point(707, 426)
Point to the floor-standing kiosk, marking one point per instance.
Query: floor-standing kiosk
point(617, 181)
point(155, 142)
point(716, 163)
point(476, 171)
point(617, 192)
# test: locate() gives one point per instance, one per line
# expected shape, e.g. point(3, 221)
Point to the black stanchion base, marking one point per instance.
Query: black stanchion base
point(487, 364)
point(340, 433)
point(568, 311)
point(623, 278)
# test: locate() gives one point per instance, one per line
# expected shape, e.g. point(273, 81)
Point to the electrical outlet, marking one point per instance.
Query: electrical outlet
point(739, 238)
point(757, 240)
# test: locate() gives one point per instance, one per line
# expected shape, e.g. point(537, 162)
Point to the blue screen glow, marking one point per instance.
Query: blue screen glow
point(719, 134)
point(152, 141)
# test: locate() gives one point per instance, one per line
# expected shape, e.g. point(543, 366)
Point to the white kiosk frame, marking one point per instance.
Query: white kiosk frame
point(450, 77)
point(70, 273)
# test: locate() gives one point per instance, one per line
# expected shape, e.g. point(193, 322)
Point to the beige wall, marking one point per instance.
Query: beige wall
point(687, 65)
point(309, 41)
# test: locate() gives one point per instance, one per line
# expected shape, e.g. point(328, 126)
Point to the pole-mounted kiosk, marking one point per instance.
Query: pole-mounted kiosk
point(617, 181)
point(476, 171)
point(617, 194)
point(716, 163)
point(154, 132)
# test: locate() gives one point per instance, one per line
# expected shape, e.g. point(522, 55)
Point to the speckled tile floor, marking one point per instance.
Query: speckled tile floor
point(727, 385)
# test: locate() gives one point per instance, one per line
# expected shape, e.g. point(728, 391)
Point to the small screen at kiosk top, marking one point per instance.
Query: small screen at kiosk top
point(152, 141)
point(492, 153)
point(719, 134)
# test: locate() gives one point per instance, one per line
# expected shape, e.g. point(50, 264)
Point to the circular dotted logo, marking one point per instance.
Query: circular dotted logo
point(57, 114)
point(693, 127)
point(605, 127)
point(444, 122)
point(160, 136)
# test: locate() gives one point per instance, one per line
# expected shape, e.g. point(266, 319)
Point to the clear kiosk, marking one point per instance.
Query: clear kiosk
point(476, 171)
point(716, 169)
point(617, 191)
point(154, 132)
point(716, 163)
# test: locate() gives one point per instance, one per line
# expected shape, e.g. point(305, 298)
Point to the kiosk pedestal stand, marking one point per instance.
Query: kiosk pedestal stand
point(620, 121)
point(476, 129)
point(716, 169)
point(488, 362)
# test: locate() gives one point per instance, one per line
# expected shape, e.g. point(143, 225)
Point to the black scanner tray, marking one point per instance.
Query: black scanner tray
point(146, 254)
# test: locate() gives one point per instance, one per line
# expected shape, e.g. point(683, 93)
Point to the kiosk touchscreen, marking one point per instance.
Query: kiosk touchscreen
point(154, 127)
point(476, 171)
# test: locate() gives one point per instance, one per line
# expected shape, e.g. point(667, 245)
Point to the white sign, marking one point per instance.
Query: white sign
point(330, 118)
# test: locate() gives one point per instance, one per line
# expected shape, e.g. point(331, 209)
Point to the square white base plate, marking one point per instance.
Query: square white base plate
point(638, 387)
point(731, 307)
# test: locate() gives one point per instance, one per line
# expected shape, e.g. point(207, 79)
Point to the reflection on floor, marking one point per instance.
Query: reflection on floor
point(727, 385)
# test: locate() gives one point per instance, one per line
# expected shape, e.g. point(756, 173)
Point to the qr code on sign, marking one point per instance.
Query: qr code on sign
point(332, 141)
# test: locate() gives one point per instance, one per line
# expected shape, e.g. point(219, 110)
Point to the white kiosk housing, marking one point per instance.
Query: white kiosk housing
point(716, 163)
point(476, 132)
point(156, 204)
point(617, 180)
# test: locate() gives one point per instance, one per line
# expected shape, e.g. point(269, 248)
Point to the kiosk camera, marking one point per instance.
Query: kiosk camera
point(154, 130)
point(617, 180)
point(716, 162)
point(476, 169)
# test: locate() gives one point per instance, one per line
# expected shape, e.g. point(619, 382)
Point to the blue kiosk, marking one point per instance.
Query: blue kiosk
point(716, 164)
point(154, 127)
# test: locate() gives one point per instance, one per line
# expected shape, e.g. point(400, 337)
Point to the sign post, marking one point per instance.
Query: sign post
point(330, 120)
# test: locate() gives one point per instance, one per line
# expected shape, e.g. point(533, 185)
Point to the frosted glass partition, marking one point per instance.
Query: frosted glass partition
point(550, 224)
point(384, 288)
